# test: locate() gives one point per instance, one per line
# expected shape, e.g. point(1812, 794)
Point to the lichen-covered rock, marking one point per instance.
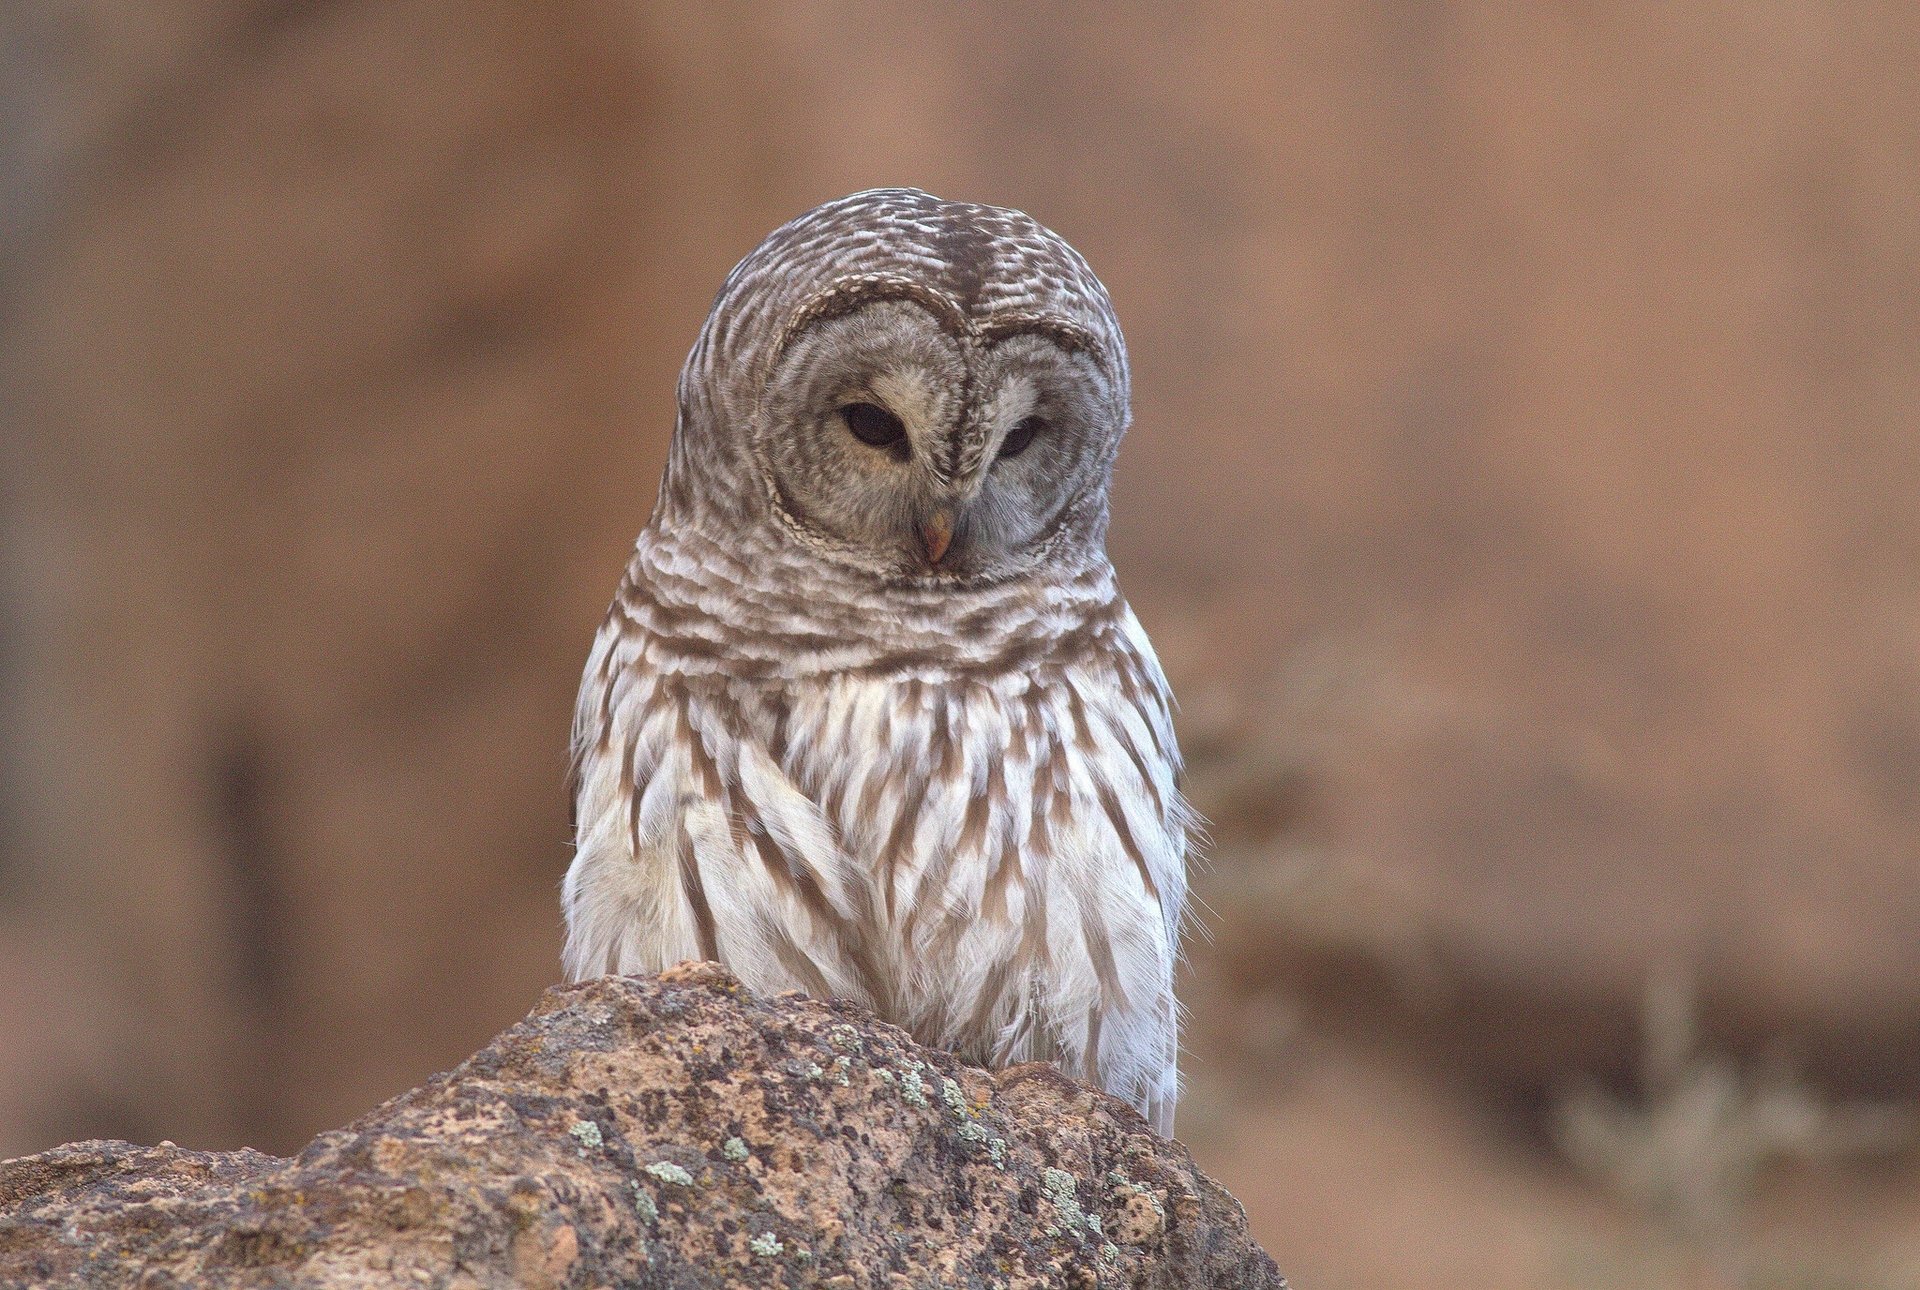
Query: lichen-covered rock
point(675, 1131)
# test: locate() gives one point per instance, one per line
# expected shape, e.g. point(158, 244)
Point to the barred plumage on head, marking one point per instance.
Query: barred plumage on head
point(868, 716)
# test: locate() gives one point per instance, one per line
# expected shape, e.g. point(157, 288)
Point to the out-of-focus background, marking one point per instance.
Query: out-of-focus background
point(1522, 493)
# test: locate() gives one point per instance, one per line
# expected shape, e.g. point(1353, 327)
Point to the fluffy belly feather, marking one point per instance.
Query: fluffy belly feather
point(995, 865)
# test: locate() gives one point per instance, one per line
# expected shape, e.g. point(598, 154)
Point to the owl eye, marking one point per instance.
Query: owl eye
point(873, 424)
point(1020, 437)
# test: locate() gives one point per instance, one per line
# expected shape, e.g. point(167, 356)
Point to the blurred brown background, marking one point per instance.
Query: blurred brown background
point(1522, 494)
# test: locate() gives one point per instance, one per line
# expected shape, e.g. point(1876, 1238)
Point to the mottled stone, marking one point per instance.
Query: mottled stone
point(590, 1145)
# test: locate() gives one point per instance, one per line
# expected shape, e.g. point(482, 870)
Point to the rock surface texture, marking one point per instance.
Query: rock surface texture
point(675, 1131)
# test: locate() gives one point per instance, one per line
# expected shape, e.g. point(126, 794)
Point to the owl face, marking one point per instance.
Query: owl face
point(922, 448)
point(911, 388)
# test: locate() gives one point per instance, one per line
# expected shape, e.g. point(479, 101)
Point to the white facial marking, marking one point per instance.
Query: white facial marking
point(915, 395)
point(1012, 403)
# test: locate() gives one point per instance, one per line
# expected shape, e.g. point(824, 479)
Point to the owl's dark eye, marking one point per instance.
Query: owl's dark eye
point(1020, 437)
point(873, 424)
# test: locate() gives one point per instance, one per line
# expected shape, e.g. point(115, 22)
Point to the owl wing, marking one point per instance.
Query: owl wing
point(692, 842)
point(1118, 856)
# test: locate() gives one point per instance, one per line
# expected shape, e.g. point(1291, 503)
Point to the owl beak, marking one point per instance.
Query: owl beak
point(936, 533)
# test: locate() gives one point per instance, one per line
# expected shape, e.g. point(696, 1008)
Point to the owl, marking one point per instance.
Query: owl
point(868, 716)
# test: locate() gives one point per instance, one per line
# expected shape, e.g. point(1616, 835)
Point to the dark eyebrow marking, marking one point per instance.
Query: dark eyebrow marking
point(1068, 335)
point(849, 294)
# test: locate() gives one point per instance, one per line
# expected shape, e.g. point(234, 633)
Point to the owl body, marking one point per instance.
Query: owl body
point(924, 761)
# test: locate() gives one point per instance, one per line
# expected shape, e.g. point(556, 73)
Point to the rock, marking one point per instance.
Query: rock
point(660, 1131)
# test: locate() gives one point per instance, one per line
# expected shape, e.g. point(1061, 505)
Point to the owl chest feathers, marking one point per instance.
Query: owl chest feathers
point(988, 850)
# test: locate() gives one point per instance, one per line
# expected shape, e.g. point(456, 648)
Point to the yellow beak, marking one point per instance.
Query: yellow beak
point(936, 534)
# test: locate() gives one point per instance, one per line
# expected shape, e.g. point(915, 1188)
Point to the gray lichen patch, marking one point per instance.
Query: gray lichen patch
point(975, 1135)
point(1064, 1193)
point(955, 1099)
point(734, 1149)
point(643, 1203)
point(668, 1172)
point(587, 1133)
point(766, 1245)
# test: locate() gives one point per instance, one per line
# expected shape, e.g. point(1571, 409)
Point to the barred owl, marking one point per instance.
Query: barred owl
point(868, 716)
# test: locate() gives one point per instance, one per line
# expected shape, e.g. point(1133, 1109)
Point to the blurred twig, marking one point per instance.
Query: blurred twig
point(1694, 1142)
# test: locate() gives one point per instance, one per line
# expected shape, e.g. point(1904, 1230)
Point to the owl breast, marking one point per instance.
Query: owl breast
point(990, 857)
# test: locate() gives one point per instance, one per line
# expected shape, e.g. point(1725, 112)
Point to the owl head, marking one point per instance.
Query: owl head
point(920, 389)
